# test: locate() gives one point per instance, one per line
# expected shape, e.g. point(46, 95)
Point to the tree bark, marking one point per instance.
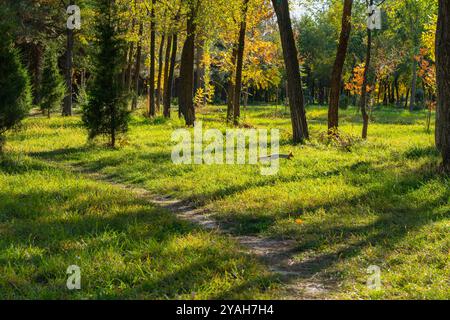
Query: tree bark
point(231, 87)
point(412, 102)
point(151, 85)
point(67, 106)
point(200, 68)
point(365, 116)
point(239, 65)
point(160, 68)
point(336, 76)
point(128, 72)
point(137, 70)
point(170, 76)
point(166, 74)
point(185, 95)
point(296, 103)
point(443, 82)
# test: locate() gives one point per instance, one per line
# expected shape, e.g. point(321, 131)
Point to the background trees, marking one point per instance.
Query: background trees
point(243, 51)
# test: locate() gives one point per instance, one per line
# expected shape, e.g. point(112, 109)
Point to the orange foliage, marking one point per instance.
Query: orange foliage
point(356, 81)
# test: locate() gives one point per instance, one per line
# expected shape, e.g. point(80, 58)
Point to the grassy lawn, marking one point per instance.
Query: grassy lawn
point(380, 203)
point(126, 249)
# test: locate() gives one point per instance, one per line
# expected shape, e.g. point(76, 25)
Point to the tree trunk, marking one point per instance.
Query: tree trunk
point(151, 84)
point(397, 90)
point(200, 68)
point(407, 98)
point(170, 76)
point(166, 74)
point(296, 103)
point(363, 105)
point(160, 69)
point(67, 107)
point(321, 95)
point(231, 87)
point(185, 95)
point(336, 76)
point(239, 65)
point(443, 83)
point(128, 72)
point(137, 70)
point(412, 102)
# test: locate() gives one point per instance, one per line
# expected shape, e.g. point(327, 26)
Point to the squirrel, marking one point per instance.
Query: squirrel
point(277, 156)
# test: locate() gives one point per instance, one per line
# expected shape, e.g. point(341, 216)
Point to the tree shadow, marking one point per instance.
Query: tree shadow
point(44, 228)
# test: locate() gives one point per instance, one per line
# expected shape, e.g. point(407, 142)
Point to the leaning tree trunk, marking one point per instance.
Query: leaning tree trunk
point(239, 65)
point(151, 85)
point(185, 95)
point(336, 76)
point(296, 103)
point(443, 82)
point(67, 107)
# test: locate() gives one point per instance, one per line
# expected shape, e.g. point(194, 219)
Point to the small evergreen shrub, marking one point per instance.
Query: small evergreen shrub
point(15, 88)
point(53, 88)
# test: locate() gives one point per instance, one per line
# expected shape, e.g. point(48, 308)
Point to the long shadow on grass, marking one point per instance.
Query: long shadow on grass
point(95, 222)
point(390, 227)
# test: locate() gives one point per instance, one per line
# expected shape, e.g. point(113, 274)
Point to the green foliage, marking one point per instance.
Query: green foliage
point(15, 90)
point(53, 88)
point(106, 112)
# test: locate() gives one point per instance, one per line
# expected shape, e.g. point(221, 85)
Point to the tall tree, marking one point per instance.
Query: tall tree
point(186, 89)
point(336, 76)
point(443, 82)
point(296, 103)
point(106, 113)
point(15, 93)
point(170, 76)
point(137, 68)
point(166, 72)
point(363, 102)
point(239, 65)
point(160, 70)
point(67, 108)
point(53, 88)
point(231, 86)
point(151, 80)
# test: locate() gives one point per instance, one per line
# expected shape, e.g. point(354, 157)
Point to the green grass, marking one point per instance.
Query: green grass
point(51, 219)
point(381, 203)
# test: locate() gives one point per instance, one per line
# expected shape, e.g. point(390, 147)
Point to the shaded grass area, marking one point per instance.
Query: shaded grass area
point(380, 202)
point(51, 219)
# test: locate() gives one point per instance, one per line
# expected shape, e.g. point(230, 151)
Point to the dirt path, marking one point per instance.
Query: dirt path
point(298, 278)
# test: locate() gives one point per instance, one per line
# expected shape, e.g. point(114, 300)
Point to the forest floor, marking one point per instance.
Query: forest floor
point(338, 208)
